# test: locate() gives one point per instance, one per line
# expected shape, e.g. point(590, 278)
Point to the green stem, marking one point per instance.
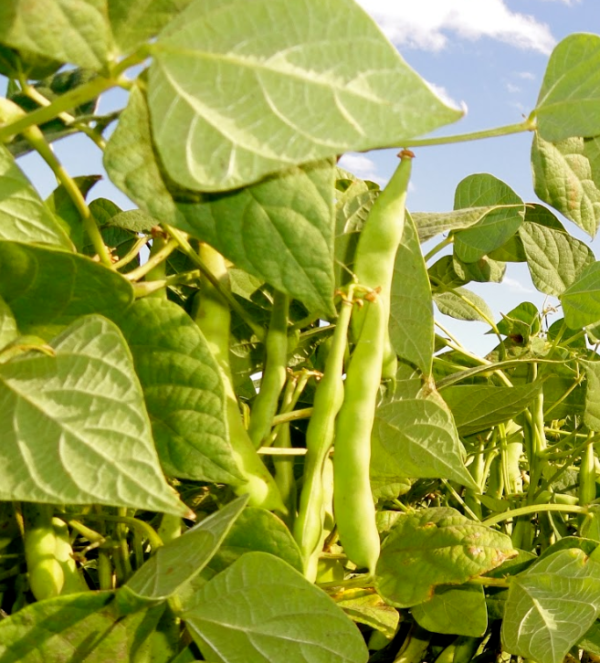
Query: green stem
point(533, 508)
point(145, 288)
point(489, 582)
point(507, 130)
point(142, 527)
point(460, 500)
point(234, 305)
point(294, 415)
point(438, 247)
point(132, 253)
point(153, 261)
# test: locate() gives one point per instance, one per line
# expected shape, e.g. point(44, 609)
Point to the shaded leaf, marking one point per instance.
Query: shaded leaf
point(484, 270)
point(367, 607)
point(134, 220)
point(178, 562)
point(23, 215)
point(555, 258)
point(258, 530)
point(48, 289)
point(73, 32)
point(262, 607)
point(8, 325)
point(422, 439)
point(302, 109)
point(411, 308)
point(183, 390)
point(551, 606)
point(478, 407)
point(591, 415)
point(430, 224)
point(568, 101)
point(435, 547)
point(463, 304)
point(581, 300)
point(455, 611)
point(76, 429)
point(443, 275)
point(591, 640)
point(566, 175)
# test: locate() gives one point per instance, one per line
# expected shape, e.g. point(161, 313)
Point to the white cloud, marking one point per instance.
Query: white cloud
point(513, 89)
point(425, 24)
point(516, 286)
point(525, 75)
point(361, 166)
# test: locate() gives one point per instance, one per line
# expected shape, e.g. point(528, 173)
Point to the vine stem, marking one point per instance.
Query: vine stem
point(438, 247)
point(142, 527)
point(159, 257)
point(534, 508)
point(527, 125)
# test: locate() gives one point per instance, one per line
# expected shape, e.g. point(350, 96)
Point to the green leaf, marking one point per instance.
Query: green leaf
point(48, 289)
point(568, 101)
point(566, 175)
point(76, 429)
point(8, 325)
point(352, 207)
point(411, 307)
point(591, 640)
point(134, 22)
point(463, 304)
point(23, 215)
point(454, 610)
point(496, 227)
point(183, 391)
point(258, 530)
point(484, 270)
point(73, 32)
point(581, 300)
point(302, 109)
point(443, 276)
point(286, 221)
point(591, 415)
point(478, 407)
point(512, 251)
point(82, 627)
point(134, 220)
point(280, 230)
point(430, 224)
point(178, 562)
point(555, 258)
point(366, 607)
point(435, 547)
point(523, 320)
point(551, 606)
point(262, 607)
point(422, 439)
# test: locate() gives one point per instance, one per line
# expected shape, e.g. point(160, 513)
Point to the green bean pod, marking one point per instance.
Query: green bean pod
point(265, 404)
point(328, 399)
point(377, 247)
point(73, 580)
point(352, 498)
point(46, 576)
point(213, 317)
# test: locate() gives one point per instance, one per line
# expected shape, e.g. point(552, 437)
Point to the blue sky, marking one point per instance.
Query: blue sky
point(488, 54)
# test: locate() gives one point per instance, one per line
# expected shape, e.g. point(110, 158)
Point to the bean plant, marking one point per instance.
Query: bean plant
point(232, 429)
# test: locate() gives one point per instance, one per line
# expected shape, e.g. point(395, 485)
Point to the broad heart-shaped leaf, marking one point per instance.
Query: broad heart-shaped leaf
point(566, 175)
point(411, 306)
point(280, 230)
point(430, 224)
point(591, 640)
point(433, 547)
point(568, 101)
point(8, 325)
point(478, 407)
point(421, 437)
point(48, 289)
point(366, 607)
point(322, 80)
point(454, 610)
point(494, 229)
point(133, 22)
point(76, 627)
point(183, 391)
point(591, 415)
point(581, 300)
point(23, 215)
point(75, 426)
point(265, 611)
point(180, 560)
point(551, 606)
point(258, 530)
point(72, 32)
point(287, 221)
point(483, 270)
point(463, 304)
point(555, 258)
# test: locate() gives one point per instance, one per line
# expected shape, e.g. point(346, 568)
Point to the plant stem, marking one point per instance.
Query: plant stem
point(533, 508)
point(294, 415)
point(142, 527)
point(489, 582)
point(159, 257)
point(507, 130)
point(184, 245)
point(145, 288)
point(132, 253)
point(438, 247)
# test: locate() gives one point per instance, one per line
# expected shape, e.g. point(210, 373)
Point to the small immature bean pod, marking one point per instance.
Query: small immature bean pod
point(214, 319)
point(46, 576)
point(328, 399)
point(274, 372)
point(74, 581)
point(377, 247)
